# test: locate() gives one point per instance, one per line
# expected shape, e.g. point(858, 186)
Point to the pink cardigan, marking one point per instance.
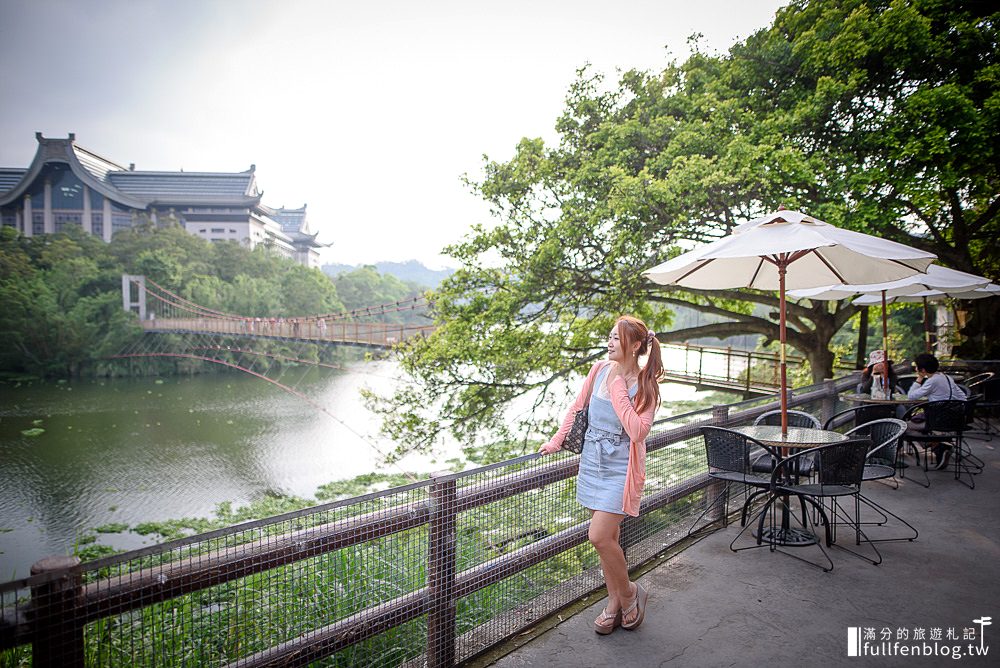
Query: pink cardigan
point(636, 425)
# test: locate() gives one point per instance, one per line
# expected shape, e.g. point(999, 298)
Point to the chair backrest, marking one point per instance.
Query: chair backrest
point(842, 463)
point(862, 414)
point(884, 435)
point(947, 415)
point(728, 450)
point(904, 382)
point(973, 381)
point(990, 389)
point(795, 419)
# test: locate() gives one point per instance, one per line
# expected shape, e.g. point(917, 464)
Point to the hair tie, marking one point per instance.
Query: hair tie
point(652, 335)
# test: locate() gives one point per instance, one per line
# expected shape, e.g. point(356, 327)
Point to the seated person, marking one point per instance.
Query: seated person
point(933, 385)
point(876, 362)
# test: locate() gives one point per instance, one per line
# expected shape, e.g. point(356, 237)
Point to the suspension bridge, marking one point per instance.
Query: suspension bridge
point(210, 335)
point(161, 311)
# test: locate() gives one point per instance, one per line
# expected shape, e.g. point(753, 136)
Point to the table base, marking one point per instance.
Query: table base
point(787, 537)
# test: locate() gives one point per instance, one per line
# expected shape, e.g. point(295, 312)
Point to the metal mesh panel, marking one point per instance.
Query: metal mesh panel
point(432, 573)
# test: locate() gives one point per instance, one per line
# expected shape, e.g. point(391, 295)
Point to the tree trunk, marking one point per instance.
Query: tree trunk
point(862, 339)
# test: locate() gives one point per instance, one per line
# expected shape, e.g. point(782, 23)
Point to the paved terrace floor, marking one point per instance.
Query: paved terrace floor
point(709, 606)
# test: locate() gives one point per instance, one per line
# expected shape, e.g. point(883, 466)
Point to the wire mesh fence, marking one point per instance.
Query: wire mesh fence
point(432, 573)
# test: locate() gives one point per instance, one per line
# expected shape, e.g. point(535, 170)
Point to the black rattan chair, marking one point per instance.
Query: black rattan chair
point(765, 463)
point(881, 464)
point(839, 472)
point(944, 422)
point(728, 454)
point(861, 414)
point(988, 406)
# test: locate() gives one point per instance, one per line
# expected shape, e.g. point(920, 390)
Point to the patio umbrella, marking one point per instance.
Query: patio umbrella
point(924, 296)
point(936, 278)
point(790, 249)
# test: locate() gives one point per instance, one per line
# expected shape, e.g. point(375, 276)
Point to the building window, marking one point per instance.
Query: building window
point(97, 223)
point(63, 219)
point(232, 231)
point(120, 221)
point(218, 230)
point(9, 219)
point(37, 222)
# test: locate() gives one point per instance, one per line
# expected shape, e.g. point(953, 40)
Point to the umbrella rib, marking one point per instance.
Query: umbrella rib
point(828, 265)
point(693, 269)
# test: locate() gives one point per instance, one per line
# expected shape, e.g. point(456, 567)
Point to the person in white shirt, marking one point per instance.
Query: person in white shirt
point(933, 385)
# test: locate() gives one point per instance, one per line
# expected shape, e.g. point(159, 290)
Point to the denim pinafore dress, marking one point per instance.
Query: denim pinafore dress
point(600, 485)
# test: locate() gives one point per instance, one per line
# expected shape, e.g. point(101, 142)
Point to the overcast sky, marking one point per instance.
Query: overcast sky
point(368, 111)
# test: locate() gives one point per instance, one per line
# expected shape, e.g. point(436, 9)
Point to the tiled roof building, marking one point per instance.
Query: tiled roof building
point(69, 185)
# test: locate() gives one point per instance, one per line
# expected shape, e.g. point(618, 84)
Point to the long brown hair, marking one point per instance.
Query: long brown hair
point(631, 330)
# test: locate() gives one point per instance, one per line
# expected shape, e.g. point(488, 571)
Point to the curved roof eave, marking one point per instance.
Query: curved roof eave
point(78, 170)
point(248, 202)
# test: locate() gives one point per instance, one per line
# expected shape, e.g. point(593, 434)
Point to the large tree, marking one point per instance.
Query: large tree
point(876, 116)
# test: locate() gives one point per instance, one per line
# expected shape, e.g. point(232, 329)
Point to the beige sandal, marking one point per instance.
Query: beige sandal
point(607, 622)
point(638, 603)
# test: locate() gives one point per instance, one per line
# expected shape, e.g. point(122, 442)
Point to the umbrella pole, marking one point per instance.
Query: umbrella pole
point(927, 328)
point(885, 329)
point(782, 265)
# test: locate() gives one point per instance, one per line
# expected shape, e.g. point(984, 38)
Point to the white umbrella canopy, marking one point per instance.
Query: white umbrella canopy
point(815, 254)
point(790, 248)
point(988, 290)
point(924, 296)
point(936, 278)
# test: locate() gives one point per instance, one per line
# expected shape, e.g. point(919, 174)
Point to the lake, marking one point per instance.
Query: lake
point(135, 450)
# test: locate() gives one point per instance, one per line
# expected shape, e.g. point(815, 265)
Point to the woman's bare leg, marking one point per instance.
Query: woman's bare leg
point(605, 530)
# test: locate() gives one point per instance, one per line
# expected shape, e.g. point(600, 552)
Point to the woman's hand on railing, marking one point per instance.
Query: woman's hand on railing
point(548, 449)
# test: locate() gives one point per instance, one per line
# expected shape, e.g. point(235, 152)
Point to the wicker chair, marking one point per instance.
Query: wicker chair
point(839, 472)
point(881, 464)
point(945, 421)
point(728, 454)
point(765, 464)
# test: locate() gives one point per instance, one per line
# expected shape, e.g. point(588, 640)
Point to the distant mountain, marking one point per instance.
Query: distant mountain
point(412, 270)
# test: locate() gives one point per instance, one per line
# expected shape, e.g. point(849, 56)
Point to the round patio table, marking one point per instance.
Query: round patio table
point(897, 399)
point(796, 438)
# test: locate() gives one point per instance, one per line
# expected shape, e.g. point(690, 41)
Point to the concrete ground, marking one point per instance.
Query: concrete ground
point(709, 606)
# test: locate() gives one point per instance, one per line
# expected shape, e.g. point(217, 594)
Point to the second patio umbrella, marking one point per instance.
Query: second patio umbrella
point(924, 296)
point(789, 249)
point(936, 278)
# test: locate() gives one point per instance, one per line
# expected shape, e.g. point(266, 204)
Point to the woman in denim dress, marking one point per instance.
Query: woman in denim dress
point(622, 398)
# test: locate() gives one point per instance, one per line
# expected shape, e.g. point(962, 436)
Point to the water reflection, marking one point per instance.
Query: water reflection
point(136, 450)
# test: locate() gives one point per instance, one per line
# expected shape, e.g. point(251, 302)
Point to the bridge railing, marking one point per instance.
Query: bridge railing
point(357, 333)
point(431, 573)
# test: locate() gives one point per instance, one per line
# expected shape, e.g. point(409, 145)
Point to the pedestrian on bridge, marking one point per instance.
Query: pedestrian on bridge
point(622, 397)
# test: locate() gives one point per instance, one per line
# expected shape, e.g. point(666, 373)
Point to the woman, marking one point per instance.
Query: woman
point(873, 372)
point(622, 399)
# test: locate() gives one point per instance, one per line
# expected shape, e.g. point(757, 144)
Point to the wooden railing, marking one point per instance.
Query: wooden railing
point(61, 604)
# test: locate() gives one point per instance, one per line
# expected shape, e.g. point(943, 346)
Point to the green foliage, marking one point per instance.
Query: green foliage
point(61, 294)
point(364, 286)
point(873, 115)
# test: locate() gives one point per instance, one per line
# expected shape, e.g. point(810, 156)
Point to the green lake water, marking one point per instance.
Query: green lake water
point(127, 451)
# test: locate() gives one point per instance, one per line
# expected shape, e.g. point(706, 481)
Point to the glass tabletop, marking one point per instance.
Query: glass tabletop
point(796, 437)
point(897, 398)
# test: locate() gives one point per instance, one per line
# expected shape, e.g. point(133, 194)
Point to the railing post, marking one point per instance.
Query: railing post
point(829, 407)
point(57, 632)
point(720, 418)
point(749, 364)
point(441, 629)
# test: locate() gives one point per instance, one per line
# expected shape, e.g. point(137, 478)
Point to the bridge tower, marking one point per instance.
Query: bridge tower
point(134, 284)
